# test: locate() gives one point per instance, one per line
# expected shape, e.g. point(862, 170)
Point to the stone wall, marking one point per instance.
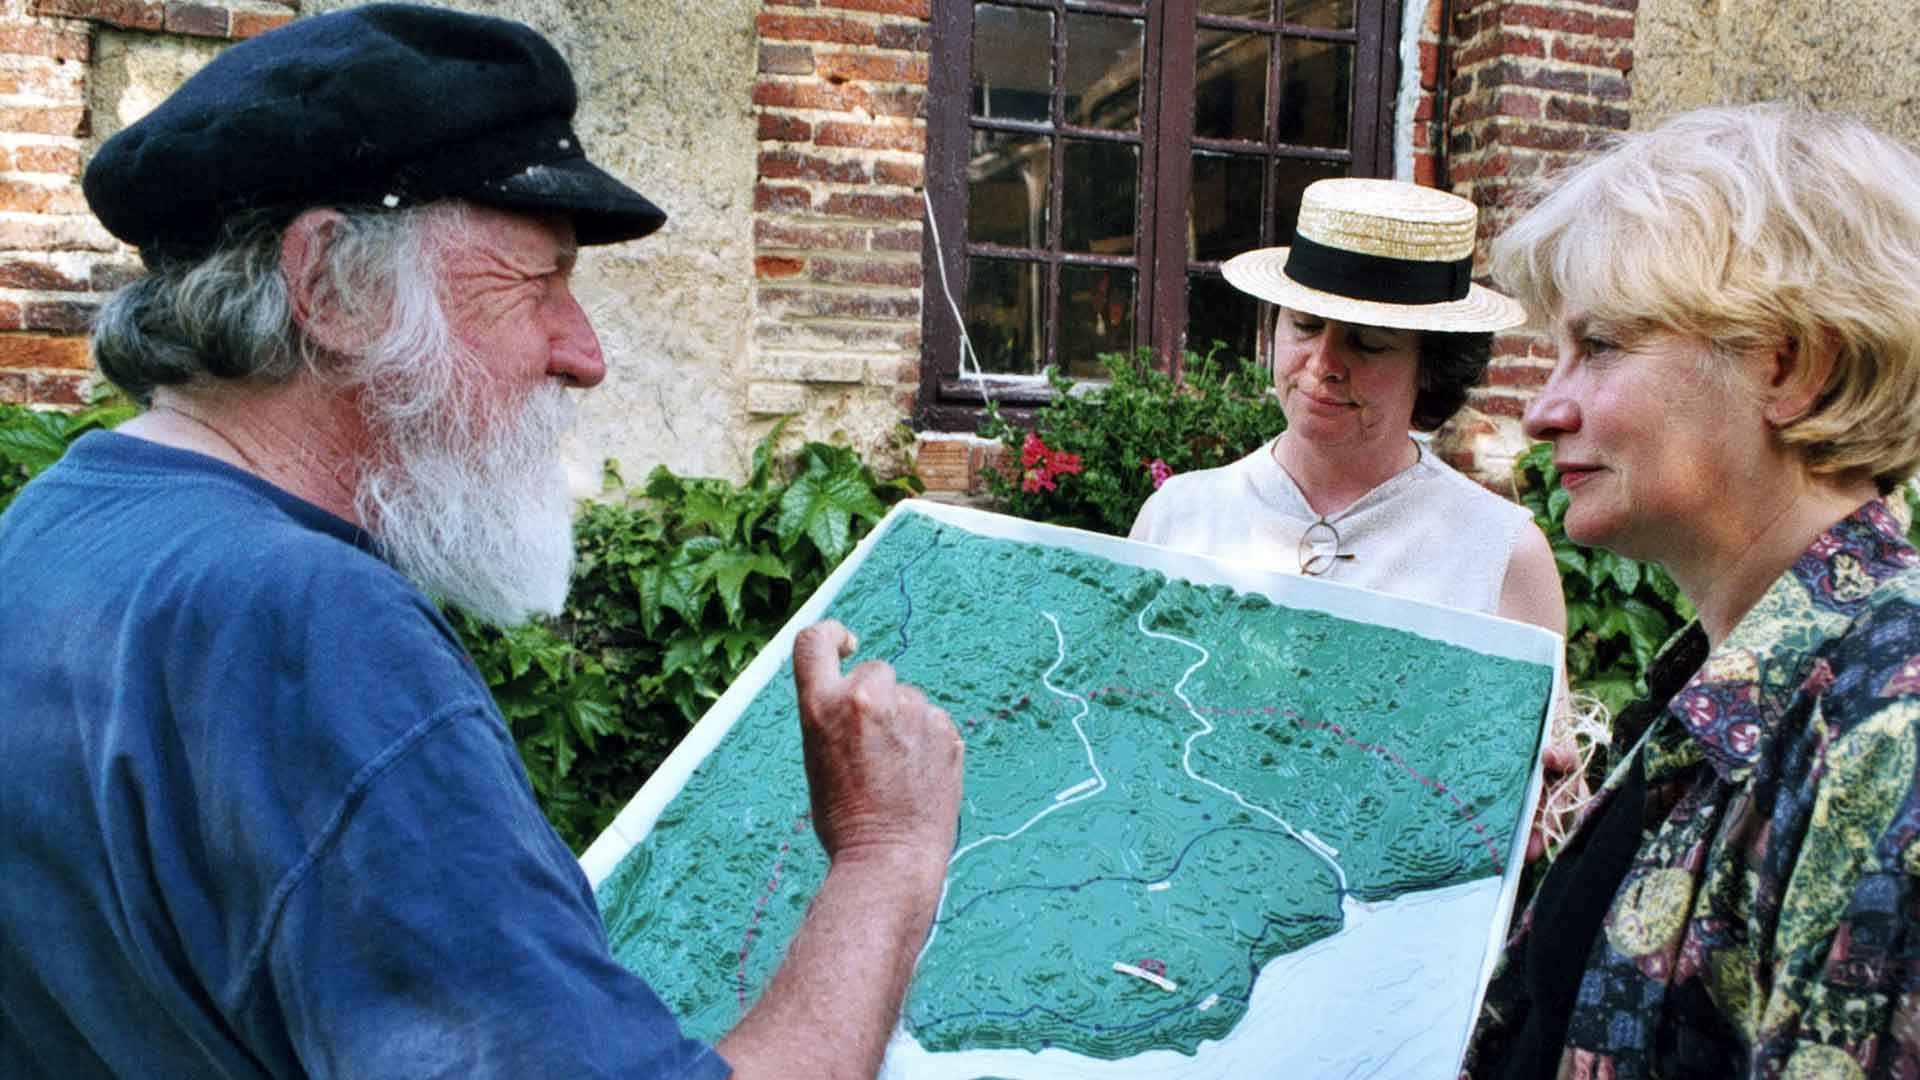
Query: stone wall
point(1862, 57)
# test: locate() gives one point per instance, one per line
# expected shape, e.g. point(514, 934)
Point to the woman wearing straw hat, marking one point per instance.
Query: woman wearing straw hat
point(1735, 301)
point(1380, 331)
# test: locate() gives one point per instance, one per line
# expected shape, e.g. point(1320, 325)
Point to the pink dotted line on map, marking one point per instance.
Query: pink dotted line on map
point(772, 884)
point(1439, 787)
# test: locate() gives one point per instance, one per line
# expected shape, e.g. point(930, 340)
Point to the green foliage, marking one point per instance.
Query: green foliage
point(676, 589)
point(1619, 612)
point(1216, 413)
point(31, 440)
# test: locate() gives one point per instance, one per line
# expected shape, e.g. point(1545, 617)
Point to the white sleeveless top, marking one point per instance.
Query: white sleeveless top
point(1428, 532)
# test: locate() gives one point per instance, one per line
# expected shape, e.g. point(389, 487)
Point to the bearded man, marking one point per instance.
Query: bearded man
point(258, 813)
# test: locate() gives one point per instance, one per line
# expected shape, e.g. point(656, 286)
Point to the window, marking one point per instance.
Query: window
point(1091, 162)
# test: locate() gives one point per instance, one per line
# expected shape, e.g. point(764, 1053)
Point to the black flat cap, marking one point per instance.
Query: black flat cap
point(386, 105)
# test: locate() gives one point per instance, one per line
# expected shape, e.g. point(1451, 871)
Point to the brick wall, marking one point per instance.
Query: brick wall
point(56, 262)
point(1533, 84)
point(841, 106)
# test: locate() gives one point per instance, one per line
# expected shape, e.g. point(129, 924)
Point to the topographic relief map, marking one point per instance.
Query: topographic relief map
point(1204, 833)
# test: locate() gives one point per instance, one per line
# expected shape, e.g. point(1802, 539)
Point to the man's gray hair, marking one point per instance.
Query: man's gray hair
point(229, 316)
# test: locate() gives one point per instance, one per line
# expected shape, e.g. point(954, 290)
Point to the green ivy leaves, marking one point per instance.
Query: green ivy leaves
point(31, 440)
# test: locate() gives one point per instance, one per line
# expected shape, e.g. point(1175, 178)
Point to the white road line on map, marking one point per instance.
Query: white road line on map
point(1314, 845)
point(1160, 981)
point(1076, 789)
point(1160, 886)
point(1212, 1000)
point(1314, 841)
point(1060, 801)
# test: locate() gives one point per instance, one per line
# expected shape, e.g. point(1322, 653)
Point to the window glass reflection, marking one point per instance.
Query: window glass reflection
point(1230, 84)
point(1004, 311)
point(1012, 62)
point(1103, 71)
point(1219, 314)
point(1223, 205)
point(1291, 179)
point(1325, 14)
point(1315, 91)
point(1007, 186)
point(1101, 203)
point(1096, 316)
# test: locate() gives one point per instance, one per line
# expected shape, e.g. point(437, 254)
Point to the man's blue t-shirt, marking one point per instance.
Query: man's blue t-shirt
point(258, 813)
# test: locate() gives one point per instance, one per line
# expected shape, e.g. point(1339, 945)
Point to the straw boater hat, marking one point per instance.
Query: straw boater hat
point(1379, 253)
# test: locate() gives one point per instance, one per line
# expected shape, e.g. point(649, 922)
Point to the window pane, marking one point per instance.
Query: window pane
point(1244, 9)
point(1216, 311)
point(1100, 204)
point(1007, 178)
point(1103, 72)
point(1230, 84)
point(1315, 88)
point(1327, 14)
point(1004, 299)
point(1223, 208)
point(1096, 316)
point(1291, 178)
point(1012, 62)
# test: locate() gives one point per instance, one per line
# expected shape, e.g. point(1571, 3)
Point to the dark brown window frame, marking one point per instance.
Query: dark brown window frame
point(948, 403)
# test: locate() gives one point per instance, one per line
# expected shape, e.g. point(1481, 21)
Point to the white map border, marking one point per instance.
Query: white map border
point(1482, 633)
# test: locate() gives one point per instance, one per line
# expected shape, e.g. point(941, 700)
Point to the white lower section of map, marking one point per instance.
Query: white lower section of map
point(1347, 1006)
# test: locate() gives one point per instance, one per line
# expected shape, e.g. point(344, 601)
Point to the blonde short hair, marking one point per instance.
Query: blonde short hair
point(1749, 227)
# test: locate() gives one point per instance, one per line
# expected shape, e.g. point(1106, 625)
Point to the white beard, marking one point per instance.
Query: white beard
point(474, 511)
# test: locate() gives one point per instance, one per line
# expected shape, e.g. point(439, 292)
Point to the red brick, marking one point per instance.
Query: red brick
point(867, 272)
point(1617, 5)
point(15, 387)
point(1507, 73)
point(769, 266)
point(911, 104)
point(896, 240)
point(1510, 375)
point(1500, 405)
point(65, 316)
point(131, 14)
point(881, 207)
point(45, 41)
point(788, 165)
point(27, 274)
point(1576, 111)
point(248, 24)
point(813, 28)
point(790, 3)
point(68, 120)
point(1620, 29)
point(9, 320)
point(870, 136)
point(44, 351)
point(792, 95)
point(1611, 87)
point(106, 277)
point(42, 158)
point(944, 464)
point(68, 390)
point(901, 36)
point(905, 174)
point(1565, 20)
point(1618, 57)
point(851, 67)
point(1429, 62)
point(31, 198)
point(857, 305)
point(777, 128)
point(1425, 171)
point(786, 59)
point(784, 199)
point(783, 234)
point(1520, 106)
point(919, 9)
point(198, 20)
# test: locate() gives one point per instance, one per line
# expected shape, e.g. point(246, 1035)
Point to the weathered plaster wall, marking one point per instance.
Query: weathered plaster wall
point(665, 104)
point(1858, 56)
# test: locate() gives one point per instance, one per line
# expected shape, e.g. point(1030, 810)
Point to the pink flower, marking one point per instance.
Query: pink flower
point(1160, 470)
point(1059, 463)
point(1033, 451)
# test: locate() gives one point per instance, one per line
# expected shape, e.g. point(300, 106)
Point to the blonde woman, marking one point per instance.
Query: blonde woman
point(1735, 297)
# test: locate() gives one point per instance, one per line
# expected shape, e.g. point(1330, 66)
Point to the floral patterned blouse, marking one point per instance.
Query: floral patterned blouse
point(1769, 923)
